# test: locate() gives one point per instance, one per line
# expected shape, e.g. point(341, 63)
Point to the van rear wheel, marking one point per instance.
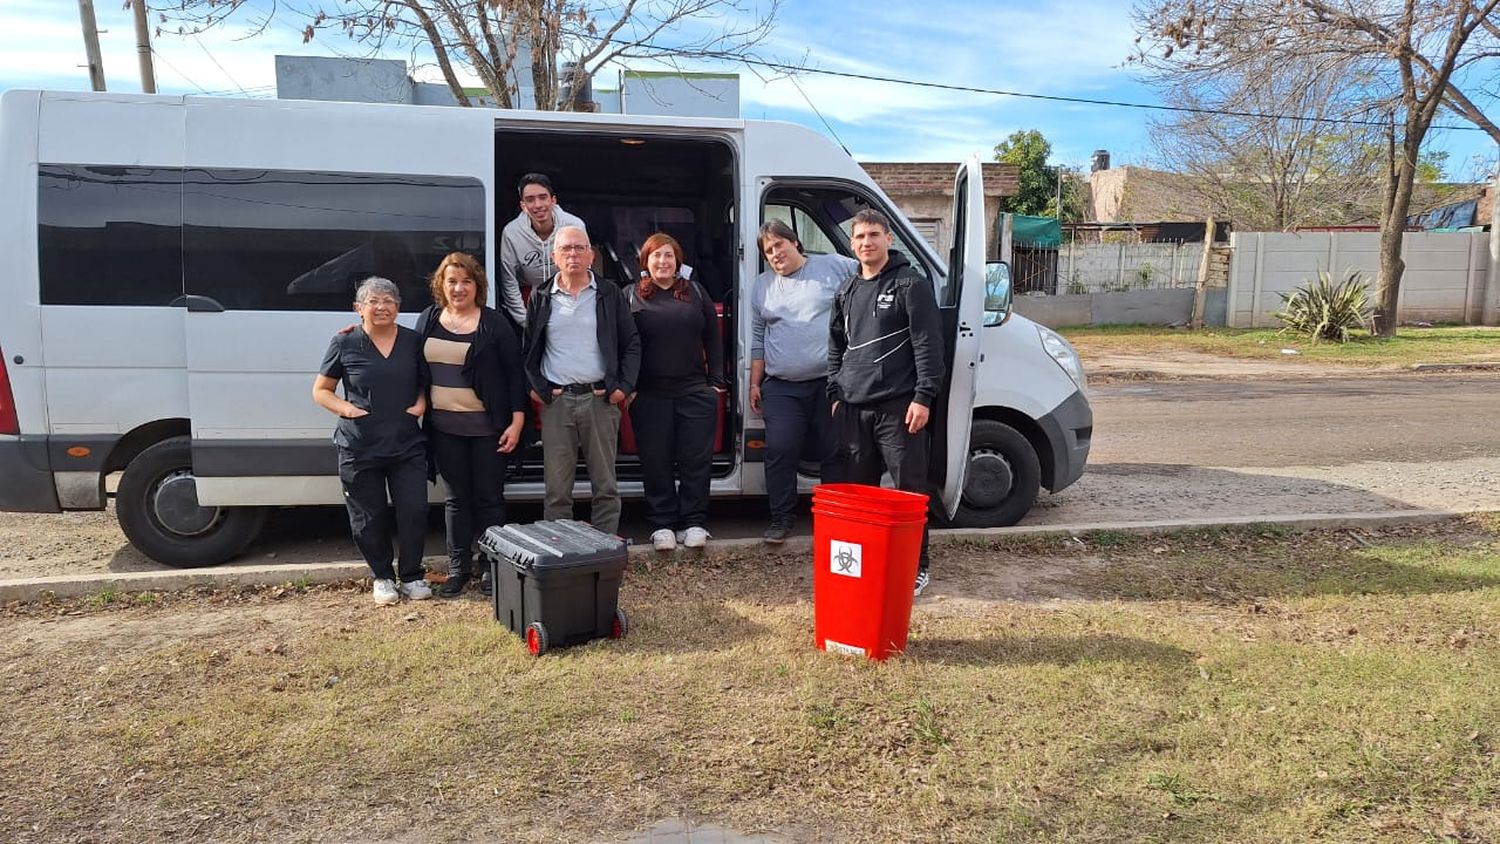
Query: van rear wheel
point(1003, 478)
point(157, 506)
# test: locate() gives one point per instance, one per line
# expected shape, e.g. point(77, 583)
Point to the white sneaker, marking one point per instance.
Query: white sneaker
point(385, 592)
point(924, 579)
point(664, 540)
point(696, 537)
point(415, 590)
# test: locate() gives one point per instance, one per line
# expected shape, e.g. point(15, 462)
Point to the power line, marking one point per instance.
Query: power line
point(158, 54)
point(1058, 98)
point(207, 52)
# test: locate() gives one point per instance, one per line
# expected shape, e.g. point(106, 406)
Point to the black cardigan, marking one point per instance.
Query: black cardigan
point(492, 367)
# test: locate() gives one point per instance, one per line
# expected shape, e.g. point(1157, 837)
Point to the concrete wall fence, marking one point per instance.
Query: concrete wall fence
point(1444, 279)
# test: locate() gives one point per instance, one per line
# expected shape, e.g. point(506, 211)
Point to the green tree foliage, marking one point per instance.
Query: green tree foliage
point(1029, 150)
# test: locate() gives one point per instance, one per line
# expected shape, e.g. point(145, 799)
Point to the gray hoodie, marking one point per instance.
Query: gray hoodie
point(526, 258)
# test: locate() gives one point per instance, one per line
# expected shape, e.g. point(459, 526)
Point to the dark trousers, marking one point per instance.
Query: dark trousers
point(793, 410)
point(877, 440)
point(674, 438)
point(474, 473)
point(367, 480)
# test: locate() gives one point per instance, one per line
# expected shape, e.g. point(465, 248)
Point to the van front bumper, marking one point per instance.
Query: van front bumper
point(26, 484)
point(1070, 430)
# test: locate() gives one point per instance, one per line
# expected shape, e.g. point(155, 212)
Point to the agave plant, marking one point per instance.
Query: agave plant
point(1323, 310)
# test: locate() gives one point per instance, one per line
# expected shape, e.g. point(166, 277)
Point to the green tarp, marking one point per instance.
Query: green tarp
point(1035, 231)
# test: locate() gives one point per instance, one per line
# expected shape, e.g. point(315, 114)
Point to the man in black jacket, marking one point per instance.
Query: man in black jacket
point(885, 365)
point(582, 358)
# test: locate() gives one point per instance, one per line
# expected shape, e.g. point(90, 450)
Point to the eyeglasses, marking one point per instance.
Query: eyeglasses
point(572, 248)
point(382, 303)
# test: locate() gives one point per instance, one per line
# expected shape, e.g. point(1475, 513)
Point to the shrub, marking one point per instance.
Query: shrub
point(1322, 310)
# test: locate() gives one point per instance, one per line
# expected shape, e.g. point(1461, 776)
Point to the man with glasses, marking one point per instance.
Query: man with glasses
point(526, 243)
point(582, 358)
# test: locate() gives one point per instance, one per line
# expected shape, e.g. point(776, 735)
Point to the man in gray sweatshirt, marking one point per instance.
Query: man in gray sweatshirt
point(789, 311)
point(526, 243)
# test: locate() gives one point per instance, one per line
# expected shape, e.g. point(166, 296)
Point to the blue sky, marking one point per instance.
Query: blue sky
point(1074, 49)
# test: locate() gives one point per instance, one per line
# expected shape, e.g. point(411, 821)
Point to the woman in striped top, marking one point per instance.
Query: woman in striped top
point(476, 406)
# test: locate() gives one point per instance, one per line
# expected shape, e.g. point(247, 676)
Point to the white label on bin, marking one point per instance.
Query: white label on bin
point(841, 648)
point(845, 558)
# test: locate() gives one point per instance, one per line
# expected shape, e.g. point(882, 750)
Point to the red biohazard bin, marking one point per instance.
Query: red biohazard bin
point(866, 541)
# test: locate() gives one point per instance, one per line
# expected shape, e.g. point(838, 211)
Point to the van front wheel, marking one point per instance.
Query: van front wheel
point(1003, 478)
point(157, 506)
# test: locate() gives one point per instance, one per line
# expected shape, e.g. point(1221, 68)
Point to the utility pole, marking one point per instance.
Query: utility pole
point(91, 44)
point(143, 46)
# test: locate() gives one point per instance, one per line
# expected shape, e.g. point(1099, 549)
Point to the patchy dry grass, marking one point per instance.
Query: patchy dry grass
point(1245, 685)
point(1409, 346)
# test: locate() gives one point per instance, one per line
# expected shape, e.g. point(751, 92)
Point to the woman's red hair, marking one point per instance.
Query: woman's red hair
point(645, 287)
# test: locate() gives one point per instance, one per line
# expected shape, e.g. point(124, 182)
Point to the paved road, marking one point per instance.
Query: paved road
point(1233, 448)
point(1274, 447)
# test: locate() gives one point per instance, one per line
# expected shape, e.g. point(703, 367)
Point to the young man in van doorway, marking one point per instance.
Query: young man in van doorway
point(885, 365)
point(789, 309)
point(526, 243)
point(582, 356)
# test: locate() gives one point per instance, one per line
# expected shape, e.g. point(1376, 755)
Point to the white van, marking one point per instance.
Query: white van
point(175, 267)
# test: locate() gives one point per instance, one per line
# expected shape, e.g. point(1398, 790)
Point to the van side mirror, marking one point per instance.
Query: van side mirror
point(996, 292)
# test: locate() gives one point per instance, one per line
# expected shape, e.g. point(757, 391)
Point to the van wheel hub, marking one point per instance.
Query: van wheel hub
point(989, 481)
point(176, 506)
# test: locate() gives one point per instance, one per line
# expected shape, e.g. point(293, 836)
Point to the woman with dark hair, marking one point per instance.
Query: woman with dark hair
point(675, 408)
point(379, 439)
point(476, 406)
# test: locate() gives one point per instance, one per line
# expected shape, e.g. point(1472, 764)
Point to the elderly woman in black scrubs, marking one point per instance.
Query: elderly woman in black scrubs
point(381, 445)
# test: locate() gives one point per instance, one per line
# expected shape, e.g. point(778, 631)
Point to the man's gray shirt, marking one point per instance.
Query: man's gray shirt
point(789, 317)
point(526, 259)
point(572, 355)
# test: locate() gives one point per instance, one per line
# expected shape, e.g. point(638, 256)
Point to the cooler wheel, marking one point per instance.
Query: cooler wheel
point(621, 627)
point(536, 638)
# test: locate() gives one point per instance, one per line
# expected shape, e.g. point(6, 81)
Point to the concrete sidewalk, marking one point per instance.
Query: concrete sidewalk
point(219, 577)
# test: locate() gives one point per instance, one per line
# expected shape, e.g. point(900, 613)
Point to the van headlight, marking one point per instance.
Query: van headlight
point(1066, 356)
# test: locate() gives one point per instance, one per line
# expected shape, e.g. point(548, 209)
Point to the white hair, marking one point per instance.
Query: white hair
point(376, 284)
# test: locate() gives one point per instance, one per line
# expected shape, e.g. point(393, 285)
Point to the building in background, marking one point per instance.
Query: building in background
point(387, 81)
point(924, 193)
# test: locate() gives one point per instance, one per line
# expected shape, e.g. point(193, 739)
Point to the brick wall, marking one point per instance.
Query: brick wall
point(909, 178)
point(924, 193)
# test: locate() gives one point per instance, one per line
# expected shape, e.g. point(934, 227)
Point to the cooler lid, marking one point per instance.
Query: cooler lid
point(559, 544)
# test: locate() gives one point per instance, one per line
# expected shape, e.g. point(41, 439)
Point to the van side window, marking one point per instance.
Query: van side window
point(109, 235)
point(274, 240)
point(823, 218)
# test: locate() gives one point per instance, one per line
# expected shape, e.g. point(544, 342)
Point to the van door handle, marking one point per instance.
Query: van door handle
point(199, 304)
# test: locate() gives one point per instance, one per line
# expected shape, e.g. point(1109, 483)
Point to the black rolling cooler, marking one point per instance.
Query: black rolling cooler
point(556, 583)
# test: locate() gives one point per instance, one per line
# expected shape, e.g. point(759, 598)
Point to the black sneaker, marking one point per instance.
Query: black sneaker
point(777, 533)
point(486, 586)
point(923, 580)
point(454, 586)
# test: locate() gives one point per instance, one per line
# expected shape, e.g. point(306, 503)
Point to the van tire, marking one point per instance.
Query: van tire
point(160, 477)
point(998, 506)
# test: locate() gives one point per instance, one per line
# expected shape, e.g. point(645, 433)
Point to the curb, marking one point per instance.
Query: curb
point(220, 577)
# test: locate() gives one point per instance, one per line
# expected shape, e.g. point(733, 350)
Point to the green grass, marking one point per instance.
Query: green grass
point(1409, 346)
point(1228, 685)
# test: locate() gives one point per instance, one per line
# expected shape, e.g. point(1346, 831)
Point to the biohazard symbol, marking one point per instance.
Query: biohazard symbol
point(844, 561)
point(845, 558)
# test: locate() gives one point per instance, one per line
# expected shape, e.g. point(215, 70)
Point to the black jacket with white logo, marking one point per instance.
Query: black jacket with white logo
point(885, 340)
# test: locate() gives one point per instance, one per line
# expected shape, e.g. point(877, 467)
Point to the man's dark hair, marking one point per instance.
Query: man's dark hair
point(871, 217)
point(534, 179)
point(777, 228)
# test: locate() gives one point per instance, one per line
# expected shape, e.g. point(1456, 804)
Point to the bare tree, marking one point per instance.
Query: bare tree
point(1259, 147)
point(1407, 58)
point(502, 42)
